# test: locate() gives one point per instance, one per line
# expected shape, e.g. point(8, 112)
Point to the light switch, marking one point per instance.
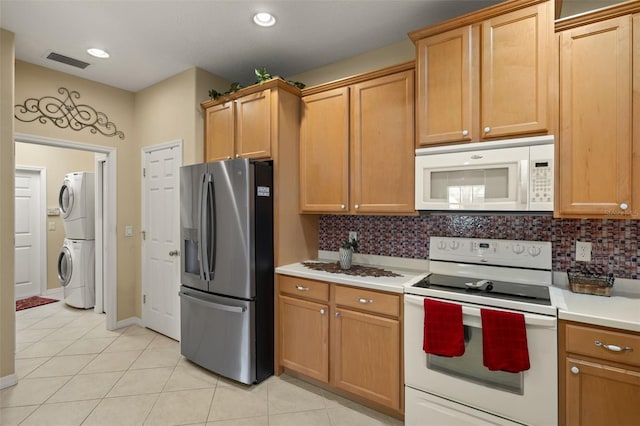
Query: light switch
point(52, 226)
point(128, 231)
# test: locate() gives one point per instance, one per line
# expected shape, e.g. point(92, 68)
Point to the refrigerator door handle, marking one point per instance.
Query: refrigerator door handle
point(202, 233)
point(218, 306)
point(211, 233)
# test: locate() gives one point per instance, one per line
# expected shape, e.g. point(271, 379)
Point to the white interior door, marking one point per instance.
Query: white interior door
point(29, 247)
point(161, 238)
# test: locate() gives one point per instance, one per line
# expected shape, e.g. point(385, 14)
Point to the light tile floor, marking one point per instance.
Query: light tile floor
point(72, 371)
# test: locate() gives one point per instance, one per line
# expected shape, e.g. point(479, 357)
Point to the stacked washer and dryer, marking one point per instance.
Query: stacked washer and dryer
point(76, 261)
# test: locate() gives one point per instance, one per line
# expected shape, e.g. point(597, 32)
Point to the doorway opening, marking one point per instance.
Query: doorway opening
point(106, 262)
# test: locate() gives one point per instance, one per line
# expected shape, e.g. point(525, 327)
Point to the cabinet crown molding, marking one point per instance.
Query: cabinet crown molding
point(472, 18)
point(621, 9)
point(275, 82)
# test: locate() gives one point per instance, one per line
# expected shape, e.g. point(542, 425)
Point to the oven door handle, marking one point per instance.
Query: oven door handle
point(471, 314)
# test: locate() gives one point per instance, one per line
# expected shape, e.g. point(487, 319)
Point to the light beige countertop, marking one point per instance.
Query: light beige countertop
point(621, 310)
point(411, 271)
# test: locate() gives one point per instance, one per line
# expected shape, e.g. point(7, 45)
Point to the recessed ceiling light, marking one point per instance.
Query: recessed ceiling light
point(98, 53)
point(264, 19)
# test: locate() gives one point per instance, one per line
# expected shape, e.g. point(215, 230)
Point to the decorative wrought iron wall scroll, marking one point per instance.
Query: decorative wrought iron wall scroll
point(66, 113)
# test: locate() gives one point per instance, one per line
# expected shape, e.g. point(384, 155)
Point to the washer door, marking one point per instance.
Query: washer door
point(65, 266)
point(65, 199)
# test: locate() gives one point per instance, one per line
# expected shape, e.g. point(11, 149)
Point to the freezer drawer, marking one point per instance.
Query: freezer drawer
point(218, 333)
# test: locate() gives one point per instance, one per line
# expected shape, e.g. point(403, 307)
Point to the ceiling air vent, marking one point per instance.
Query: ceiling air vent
point(67, 60)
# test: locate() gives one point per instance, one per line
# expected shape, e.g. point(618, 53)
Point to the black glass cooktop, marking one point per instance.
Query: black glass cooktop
point(538, 294)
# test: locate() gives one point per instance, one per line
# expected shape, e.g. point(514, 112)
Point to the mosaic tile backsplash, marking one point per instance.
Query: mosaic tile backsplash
point(615, 242)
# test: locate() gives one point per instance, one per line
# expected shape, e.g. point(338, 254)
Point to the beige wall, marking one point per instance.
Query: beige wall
point(35, 82)
point(7, 286)
point(57, 162)
point(379, 58)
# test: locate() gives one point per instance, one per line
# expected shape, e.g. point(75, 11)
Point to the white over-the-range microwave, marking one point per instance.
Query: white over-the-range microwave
point(506, 175)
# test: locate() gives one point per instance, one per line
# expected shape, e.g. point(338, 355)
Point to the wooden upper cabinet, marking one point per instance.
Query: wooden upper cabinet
point(444, 74)
point(357, 145)
point(250, 123)
point(486, 79)
point(382, 143)
point(515, 68)
point(219, 131)
point(324, 152)
point(596, 151)
point(253, 125)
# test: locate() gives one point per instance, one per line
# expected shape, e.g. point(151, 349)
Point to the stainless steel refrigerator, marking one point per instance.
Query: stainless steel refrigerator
point(226, 297)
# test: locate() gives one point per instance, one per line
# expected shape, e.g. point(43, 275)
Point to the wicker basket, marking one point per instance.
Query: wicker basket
point(600, 285)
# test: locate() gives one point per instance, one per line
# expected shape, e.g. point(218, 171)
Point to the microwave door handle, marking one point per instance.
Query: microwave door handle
point(524, 182)
point(202, 229)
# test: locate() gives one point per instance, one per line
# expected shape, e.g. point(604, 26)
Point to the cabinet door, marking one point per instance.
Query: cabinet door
point(253, 125)
point(444, 77)
point(601, 395)
point(595, 142)
point(219, 132)
point(516, 50)
point(366, 356)
point(382, 145)
point(304, 337)
point(324, 152)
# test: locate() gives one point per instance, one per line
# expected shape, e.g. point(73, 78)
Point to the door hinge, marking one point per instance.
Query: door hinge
point(144, 298)
point(144, 235)
point(144, 172)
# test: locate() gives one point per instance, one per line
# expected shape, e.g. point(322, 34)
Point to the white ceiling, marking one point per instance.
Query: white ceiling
point(153, 40)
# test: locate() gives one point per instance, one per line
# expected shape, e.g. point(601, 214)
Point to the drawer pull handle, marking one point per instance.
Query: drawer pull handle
point(614, 348)
point(365, 301)
point(300, 288)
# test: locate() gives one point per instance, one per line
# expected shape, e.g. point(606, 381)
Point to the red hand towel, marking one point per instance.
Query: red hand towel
point(504, 341)
point(443, 329)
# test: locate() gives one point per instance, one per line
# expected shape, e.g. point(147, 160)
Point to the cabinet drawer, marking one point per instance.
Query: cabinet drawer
point(582, 340)
point(368, 300)
point(302, 287)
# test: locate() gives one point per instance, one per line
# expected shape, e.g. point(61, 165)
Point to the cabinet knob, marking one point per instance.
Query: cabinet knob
point(228, 157)
point(487, 129)
point(337, 314)
point(624, 206)
point(322, 311)
point(357, 206)
point(342, 206)
point(237, 155)
point(174, 253)
point(465, 132)
point(575, 370)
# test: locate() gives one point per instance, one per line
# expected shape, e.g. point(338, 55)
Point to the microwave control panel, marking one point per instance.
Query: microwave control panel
point(541, 187)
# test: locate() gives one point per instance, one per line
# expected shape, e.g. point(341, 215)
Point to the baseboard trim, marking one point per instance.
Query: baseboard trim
point(129, 321)
point(7, 381)
point(56, 293)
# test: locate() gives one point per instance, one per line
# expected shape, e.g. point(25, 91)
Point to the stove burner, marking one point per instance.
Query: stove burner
point(538, 294)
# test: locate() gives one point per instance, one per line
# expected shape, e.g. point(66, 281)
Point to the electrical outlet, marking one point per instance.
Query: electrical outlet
point(583, 251)
point(353, 235)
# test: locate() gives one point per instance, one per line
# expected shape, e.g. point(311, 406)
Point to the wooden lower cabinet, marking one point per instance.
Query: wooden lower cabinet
point(304, 333)
point(351, 340)
point(366, 357)
point(598, 386)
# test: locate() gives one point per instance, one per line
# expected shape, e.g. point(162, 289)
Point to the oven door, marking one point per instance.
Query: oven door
point(475, 180)
point(528, 397)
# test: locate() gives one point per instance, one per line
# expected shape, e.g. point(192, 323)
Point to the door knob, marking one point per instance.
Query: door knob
point(174, 253)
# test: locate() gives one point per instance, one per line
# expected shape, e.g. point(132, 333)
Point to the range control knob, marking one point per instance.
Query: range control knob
point(534, 251)
point(454, 245)
point(518, 249)
point(442, 245)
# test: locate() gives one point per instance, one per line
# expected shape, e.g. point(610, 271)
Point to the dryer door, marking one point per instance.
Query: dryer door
point(65, 266)
point(65, 199)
